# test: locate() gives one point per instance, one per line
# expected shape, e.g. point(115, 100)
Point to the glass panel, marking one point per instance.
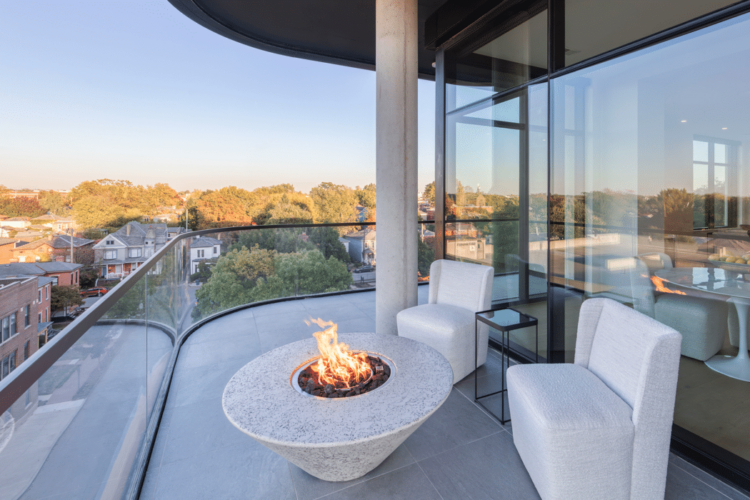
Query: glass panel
point(84, 419)
point(634, 170)
point(475, 69)
point(593, 27)
point(700, 151)
point(720, 153)
point(426, 250)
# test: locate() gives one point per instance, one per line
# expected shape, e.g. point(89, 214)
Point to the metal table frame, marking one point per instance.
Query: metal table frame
point(526, 321)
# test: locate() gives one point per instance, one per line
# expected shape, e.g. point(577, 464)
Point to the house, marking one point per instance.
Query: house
point(17, 222)
point(6, 250)
point(61, 273)
point(18, 320)
point(120, 253)
point(7, 231)
point(203, 249)
point(57, 223)
point(362, 246)
point(55, 248)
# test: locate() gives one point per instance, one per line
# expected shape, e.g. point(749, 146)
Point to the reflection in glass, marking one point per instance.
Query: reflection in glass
point(650, 173)
point(476, 69)
point(592, 28)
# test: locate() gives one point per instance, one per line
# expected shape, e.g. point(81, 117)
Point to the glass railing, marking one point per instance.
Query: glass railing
point(78, 416)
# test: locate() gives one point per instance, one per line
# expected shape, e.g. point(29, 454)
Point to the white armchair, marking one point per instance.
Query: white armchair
point(600, 428)
point(446, 322)
point(702, 321)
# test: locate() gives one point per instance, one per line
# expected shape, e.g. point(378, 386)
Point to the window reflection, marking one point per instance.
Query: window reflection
point(517, 53)
point(649, 200)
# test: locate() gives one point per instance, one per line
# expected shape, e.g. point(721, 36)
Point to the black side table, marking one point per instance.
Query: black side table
point(506, 320)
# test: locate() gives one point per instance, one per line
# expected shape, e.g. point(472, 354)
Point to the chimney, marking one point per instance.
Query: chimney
point(127, 230)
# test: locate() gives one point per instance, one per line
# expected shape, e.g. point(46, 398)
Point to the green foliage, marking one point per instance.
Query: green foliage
point(87, 278)
point(326, 240)
point(243, 276)
point(65, 297)
point(131, 305)
point(279, 240)
point(334, 203)
point(366, 196)
point(505, 241)
point(429, 192)
point(233, 279)
point(21, 207)
point(202, 274)
point(425, 256)
point(53, 202)
point(114, 203)
point(303, 274)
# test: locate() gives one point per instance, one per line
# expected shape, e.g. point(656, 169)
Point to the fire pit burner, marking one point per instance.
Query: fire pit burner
point(304, 379)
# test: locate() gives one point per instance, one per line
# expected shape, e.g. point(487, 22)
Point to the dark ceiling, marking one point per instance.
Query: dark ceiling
point(334, 31)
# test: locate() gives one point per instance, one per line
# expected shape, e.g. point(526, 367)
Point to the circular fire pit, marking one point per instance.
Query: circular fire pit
point(338, 439)
point(348, 392)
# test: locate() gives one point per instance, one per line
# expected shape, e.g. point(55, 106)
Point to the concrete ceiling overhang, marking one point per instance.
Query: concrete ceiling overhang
point(333, 31)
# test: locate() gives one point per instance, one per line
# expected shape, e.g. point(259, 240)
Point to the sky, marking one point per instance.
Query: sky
point(134, 90)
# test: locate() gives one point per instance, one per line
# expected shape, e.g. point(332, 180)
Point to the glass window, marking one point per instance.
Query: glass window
point(134, 252)
point(26, 348)
point(26, 316)
point(6, 328)
point(592, 27)
point(110, 254)
point(650, 206)
point(515, 54)
point(40, 296)
point(13, 328)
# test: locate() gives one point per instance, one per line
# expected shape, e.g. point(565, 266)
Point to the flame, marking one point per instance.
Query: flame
point(659, 284)
point(337, 365)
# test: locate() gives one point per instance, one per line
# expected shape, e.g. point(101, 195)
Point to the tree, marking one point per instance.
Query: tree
point(303, 274)
point(429, 192)
point(53, 202)
point(278, 240)
point(21, 207)
point(87, 278)
point(326, 240)
point(64, 297)
point(202, 274)
point(232, 280)
point(366, 196)
point(334, 203)
point(425, 256)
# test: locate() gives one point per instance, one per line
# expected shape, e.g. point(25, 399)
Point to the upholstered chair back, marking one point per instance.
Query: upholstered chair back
point(656, 261)
point(642, 288)
point(461, 284)
point(638, 358)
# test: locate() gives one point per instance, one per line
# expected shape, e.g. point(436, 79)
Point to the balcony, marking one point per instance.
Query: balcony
point(126, 402)
point(460, 452)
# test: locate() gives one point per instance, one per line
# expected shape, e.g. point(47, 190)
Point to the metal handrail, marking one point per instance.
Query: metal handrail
point(23, 377)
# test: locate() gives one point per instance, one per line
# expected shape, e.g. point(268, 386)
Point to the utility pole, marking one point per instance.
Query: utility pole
point(71, 246)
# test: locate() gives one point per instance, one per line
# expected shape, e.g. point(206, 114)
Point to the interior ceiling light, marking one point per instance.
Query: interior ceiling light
point(683, 121)
point(723, 128)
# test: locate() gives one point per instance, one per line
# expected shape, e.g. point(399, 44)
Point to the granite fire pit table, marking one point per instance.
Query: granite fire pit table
point(345, 438)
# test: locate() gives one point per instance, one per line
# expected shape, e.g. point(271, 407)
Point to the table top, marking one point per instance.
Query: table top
point(708, 280)
point(506, 319)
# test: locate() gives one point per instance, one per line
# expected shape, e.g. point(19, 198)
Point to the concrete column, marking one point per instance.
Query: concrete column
point(396, 33)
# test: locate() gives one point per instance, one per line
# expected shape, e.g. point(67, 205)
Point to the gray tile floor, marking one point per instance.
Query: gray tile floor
point(459, 453)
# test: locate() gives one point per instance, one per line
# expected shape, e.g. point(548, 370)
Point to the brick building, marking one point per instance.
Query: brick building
point(18, 321)
point(55, 248)
point(6, 249)
point(62, 273)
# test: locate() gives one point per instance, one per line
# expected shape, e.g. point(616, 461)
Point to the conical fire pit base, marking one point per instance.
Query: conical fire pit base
point(338, 439)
